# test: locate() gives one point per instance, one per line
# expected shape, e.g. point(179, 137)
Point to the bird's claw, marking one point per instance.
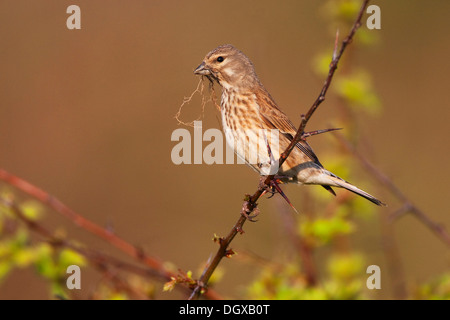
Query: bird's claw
point(275, 187)
point(246, 212)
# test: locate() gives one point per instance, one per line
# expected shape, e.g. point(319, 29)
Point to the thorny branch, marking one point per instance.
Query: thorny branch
point(250, 203)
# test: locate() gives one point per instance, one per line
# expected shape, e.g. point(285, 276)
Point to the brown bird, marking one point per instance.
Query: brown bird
point(250, 116)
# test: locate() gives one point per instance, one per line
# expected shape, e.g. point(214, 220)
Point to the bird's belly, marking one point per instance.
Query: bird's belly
point(256, 147)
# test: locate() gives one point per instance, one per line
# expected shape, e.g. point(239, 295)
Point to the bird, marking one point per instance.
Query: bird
point(250, 116)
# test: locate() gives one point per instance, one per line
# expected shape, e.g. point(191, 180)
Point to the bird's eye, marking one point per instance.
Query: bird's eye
point(220, 59)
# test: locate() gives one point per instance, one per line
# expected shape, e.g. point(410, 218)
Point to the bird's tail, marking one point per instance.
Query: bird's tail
point(335, 181)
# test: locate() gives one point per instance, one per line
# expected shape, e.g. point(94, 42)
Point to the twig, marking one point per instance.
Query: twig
point(248, 207)
point(265, 182)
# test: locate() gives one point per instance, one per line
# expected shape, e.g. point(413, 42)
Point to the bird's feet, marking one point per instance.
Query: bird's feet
point(274, 187)
point(248, 209)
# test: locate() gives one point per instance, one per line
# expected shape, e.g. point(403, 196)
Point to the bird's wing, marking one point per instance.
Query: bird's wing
point(274, 118)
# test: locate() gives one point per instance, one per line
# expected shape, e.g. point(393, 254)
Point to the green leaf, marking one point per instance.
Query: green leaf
point(324, 230)
point(69, 257)
point(44, 261)
point(357, 90)
point(168, 286)
point(321, 64)
point(24, 257)
point(5, 268)
point(345, 266)
point(32, 210)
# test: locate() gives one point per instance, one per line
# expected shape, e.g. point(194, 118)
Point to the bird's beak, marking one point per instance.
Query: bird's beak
point(202, 70)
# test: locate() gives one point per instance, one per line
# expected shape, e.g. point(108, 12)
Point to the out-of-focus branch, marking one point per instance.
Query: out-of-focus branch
point(82, 222)
point(407, 205)
point(101, 261)
point(155, 266)
point(303, 248)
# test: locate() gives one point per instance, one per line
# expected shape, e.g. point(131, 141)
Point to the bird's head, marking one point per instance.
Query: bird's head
point(229, 67)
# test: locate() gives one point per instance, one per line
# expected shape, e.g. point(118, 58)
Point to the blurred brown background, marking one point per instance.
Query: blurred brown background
point(87, 115)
